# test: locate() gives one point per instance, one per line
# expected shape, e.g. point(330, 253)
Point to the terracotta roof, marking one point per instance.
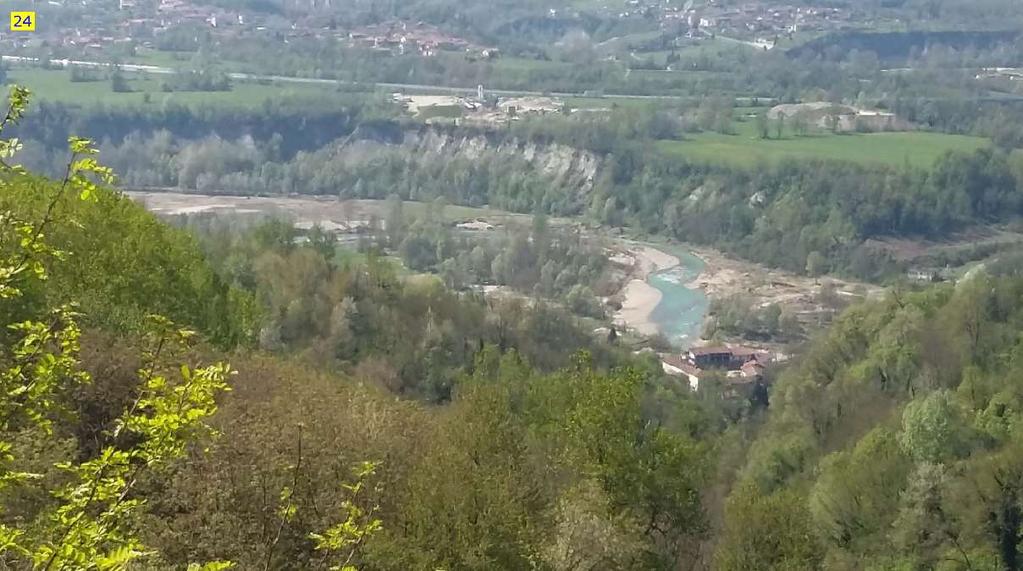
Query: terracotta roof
point(752, 369)
point(750, 353)
point(710, 350)
point(673, 360)
point(691, 369)
point(683, 365)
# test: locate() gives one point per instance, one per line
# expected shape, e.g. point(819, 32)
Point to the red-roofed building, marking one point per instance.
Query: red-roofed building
point(741, 365)
point(752, 370)
point(676, 365)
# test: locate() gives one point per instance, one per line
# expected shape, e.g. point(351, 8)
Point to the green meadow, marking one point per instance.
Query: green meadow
point(746, 148)
point(56, 85)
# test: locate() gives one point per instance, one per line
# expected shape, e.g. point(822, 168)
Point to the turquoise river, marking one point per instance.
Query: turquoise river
point(681, 311)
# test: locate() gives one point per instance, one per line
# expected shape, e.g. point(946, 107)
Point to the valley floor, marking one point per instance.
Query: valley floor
point(721, 277)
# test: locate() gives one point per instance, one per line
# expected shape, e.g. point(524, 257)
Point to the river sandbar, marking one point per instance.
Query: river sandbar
point(639, 298)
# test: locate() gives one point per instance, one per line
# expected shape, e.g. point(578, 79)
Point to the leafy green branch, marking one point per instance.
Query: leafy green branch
point(89, 522)
point(341, 541)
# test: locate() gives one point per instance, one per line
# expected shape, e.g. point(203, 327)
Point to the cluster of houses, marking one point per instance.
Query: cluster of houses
point(741, 367)
point(143, 21)
point(482, 109)
point(136, 21)
point(930, 274)
point(1010, 73)
point(760, 19)
point(418, 38)
point(836, 117)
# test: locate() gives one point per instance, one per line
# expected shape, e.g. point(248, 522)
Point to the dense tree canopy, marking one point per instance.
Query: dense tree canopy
point(307, 466)
point(896, 436)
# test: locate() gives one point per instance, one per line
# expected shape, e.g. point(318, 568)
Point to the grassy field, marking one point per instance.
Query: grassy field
point(56, 85)
point(609, 101)
point(745, 148)
point(526, 65)
point(163, 58)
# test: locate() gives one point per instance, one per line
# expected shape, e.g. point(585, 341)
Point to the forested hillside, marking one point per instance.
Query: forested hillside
point(894, 443)
point(121, 264)
point(114, 451)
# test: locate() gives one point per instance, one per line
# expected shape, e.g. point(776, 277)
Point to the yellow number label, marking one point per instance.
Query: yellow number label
point(23, 21)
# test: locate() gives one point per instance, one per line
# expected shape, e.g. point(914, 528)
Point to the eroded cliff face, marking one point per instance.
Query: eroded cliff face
point(559, 161)
point(565, 166)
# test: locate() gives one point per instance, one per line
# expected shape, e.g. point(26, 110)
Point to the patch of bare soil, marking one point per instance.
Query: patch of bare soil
point(725, 277)
point(909, 249)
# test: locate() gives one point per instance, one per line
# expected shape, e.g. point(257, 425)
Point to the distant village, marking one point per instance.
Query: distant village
point(142, 22)
point(754, 23)
point(418, 38)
